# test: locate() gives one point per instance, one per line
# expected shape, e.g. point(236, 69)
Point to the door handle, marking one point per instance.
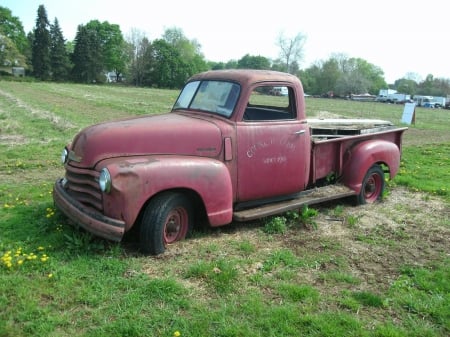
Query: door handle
point(300, 132)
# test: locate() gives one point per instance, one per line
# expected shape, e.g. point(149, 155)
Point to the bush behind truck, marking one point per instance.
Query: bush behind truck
point(228, 151)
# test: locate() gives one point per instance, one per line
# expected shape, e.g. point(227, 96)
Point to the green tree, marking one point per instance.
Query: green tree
point(171, 60)
point(434, 86)
point(352, 82)
point(321, 77)
point(176, 38)
point(406, 86)
point(371, 73)
point(191, 59)
point(253, 62)
point(329, 76)
point(41, 46)
point(343, 76)
point(59, 58)
point(166, 67)
point(9, 55)
point(309, 80)
point(112, 45)
point(99, 48)
point(11, 27)
point(216, 65)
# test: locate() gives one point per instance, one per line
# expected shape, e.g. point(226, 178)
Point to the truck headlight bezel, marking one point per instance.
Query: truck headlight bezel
point(104, 180)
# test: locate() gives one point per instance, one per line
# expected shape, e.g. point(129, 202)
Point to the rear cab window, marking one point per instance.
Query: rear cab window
point(268, 102)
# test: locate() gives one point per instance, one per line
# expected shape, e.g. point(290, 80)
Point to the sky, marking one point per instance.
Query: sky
point(399, 37)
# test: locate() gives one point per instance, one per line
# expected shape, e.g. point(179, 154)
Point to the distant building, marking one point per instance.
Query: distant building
point(111, 77)
point(18, 71)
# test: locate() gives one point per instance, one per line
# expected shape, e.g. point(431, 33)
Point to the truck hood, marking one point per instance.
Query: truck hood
point(158, 134)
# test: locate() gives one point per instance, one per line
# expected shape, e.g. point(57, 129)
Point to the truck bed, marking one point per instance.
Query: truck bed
point(331, 138)
point(322, 129)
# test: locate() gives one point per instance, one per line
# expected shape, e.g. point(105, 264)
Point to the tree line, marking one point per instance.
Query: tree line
point(99, 48)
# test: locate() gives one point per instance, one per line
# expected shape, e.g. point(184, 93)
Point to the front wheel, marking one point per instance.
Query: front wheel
point(372, 187)
point(166, 219)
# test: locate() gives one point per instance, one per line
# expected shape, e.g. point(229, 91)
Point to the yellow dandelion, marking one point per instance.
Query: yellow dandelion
point(176, 334)
point(50, 275)
point(20, 262)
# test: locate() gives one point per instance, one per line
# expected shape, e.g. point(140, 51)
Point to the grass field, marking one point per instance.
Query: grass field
point(338, 270)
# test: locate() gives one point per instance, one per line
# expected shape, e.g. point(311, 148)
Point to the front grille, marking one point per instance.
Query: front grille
point(82, 185)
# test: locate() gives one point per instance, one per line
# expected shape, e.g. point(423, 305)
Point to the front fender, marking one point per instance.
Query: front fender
point(363, 156)
point(136, 179)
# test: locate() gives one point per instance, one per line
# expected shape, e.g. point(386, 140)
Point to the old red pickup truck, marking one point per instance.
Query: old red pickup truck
point(228, 150)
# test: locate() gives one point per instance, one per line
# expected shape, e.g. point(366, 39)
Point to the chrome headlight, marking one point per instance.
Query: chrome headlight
point(64, 156)
point(105, 180)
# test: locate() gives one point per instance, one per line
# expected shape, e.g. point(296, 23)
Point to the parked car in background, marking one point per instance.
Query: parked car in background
point(279, 91)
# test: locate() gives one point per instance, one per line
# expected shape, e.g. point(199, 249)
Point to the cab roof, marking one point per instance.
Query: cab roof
point(246, 76)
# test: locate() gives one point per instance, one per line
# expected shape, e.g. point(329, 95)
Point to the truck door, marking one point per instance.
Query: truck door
point(273, 146)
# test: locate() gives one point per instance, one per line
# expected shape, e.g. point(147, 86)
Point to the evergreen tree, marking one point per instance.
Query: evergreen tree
point(58, 55)
point(41, 46)
point(87, 56)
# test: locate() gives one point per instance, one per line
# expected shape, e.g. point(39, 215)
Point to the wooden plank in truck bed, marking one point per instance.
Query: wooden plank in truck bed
point(347, 127)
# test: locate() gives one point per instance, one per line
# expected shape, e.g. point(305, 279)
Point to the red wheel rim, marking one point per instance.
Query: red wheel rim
point(176, 225)
point(372, 188)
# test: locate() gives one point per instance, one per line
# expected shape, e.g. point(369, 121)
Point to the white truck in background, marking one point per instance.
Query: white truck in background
point(430, 101)
point(393, 97)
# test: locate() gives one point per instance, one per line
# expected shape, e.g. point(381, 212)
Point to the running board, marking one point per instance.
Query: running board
point(309, 197)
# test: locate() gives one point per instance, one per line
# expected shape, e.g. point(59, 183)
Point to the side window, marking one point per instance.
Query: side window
point(268, 103)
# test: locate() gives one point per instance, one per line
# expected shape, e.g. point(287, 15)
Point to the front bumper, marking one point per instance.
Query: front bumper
point(85, 217)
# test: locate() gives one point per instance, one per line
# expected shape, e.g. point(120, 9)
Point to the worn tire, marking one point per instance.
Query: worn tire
point(372, 187)
point(167, 219)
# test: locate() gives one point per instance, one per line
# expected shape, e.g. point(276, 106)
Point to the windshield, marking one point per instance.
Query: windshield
point(217, 97)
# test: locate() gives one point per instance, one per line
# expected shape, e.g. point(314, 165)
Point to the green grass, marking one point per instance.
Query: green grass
point(279, 278)
point(426, 168)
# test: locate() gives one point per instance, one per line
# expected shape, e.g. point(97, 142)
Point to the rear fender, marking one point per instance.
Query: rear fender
point(136, 180)
point(360, 158)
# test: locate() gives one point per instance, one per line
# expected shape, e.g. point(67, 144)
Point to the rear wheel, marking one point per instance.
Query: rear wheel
point(166, 220)
point(372, 187)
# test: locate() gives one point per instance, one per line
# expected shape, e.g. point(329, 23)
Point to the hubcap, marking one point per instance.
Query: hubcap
point(372, 189)
point(176, 225)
